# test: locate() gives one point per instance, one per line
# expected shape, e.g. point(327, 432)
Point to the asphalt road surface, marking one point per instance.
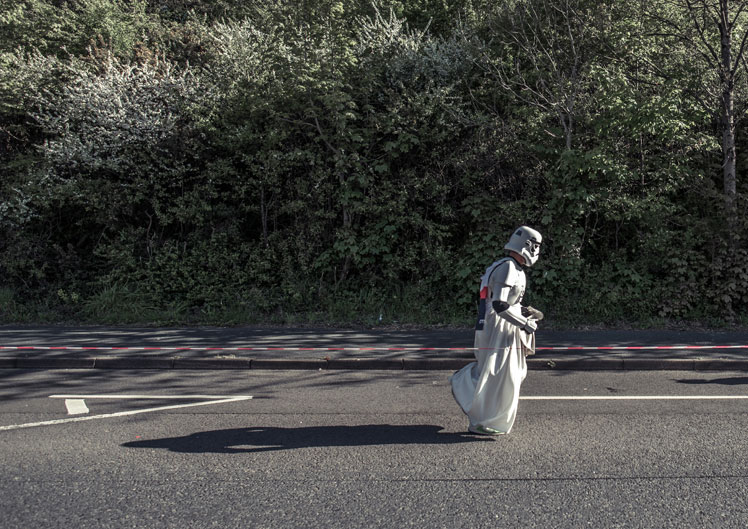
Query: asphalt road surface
point(368, 449)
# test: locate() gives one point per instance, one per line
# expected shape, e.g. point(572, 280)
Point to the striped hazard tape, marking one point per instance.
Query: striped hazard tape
point(374, 348)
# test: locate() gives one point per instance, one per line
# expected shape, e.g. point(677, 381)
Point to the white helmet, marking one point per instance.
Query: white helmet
point(526, 242)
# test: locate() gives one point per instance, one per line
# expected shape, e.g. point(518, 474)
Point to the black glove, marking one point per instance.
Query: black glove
point(532, 312)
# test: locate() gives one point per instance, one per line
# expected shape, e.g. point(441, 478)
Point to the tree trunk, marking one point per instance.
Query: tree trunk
point(727, 80)
point(728, 154)
point(264, 216)
point(347, 227)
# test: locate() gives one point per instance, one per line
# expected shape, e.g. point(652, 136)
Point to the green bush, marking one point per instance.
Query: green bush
point(233, 162)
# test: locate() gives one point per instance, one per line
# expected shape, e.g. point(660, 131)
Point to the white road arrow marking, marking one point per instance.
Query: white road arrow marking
point(120, 414)
point(152, 397)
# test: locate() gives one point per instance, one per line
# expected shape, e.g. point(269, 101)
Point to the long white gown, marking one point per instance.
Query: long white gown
point(487, 390)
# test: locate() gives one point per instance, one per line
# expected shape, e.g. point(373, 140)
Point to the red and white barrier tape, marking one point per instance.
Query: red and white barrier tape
point(413, 348)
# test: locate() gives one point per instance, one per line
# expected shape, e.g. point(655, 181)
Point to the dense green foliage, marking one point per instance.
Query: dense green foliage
point(327, 161)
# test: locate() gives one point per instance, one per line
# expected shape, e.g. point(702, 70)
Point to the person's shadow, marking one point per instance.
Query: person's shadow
point(264, 439)
point(728, 381)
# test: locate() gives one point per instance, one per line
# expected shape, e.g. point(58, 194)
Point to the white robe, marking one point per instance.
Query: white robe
point(487, 390)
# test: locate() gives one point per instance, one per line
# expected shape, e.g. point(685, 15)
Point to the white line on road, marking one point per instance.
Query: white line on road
point(120, 414)
point(638, 397)
point(76, 406)
point(247, 397)
point(155, 397)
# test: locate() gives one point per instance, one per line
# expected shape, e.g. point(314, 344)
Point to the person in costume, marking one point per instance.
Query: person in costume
point(487, 390)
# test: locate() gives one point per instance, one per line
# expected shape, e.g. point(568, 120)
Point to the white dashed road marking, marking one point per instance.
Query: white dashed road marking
point(76, 406)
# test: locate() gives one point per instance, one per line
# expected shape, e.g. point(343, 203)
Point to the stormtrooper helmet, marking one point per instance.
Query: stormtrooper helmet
point(526, 242)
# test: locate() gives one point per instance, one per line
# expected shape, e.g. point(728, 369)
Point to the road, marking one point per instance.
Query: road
point(368, 449)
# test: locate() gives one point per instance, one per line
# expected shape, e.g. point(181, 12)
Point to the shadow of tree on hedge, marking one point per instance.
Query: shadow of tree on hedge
point(267, 439)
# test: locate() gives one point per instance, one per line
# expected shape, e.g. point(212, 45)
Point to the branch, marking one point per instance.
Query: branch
point(313, 125)
point(688, 40)
point(741, 52)
point(567, 19)
point(722, 15)
point(700, 30)
point(707, 107)
point(324, 140)
point(520, 87)
point(741, 8)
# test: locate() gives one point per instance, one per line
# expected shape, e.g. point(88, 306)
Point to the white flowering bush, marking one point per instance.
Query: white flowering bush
point(245, 55)
point(124, 119)
point(411, 56)
point(117, 168)
point(23, 75)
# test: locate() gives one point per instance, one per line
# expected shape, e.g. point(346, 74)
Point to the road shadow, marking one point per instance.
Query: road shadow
point(267, 439)
point(729, 381)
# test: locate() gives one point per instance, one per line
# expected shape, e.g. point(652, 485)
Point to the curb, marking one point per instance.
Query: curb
point(396, 364)
point(212, 363)
point(708, 364)
point(52, 363)
point(576, 364)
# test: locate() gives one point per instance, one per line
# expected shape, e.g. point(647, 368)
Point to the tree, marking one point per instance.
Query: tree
point(546, 48)
point(716, 32)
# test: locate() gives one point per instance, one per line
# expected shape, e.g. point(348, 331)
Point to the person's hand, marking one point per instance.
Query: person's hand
point(530, 327)
point(532, 312)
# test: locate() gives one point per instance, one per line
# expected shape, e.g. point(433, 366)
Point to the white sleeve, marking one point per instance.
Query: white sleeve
point(514, 316)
